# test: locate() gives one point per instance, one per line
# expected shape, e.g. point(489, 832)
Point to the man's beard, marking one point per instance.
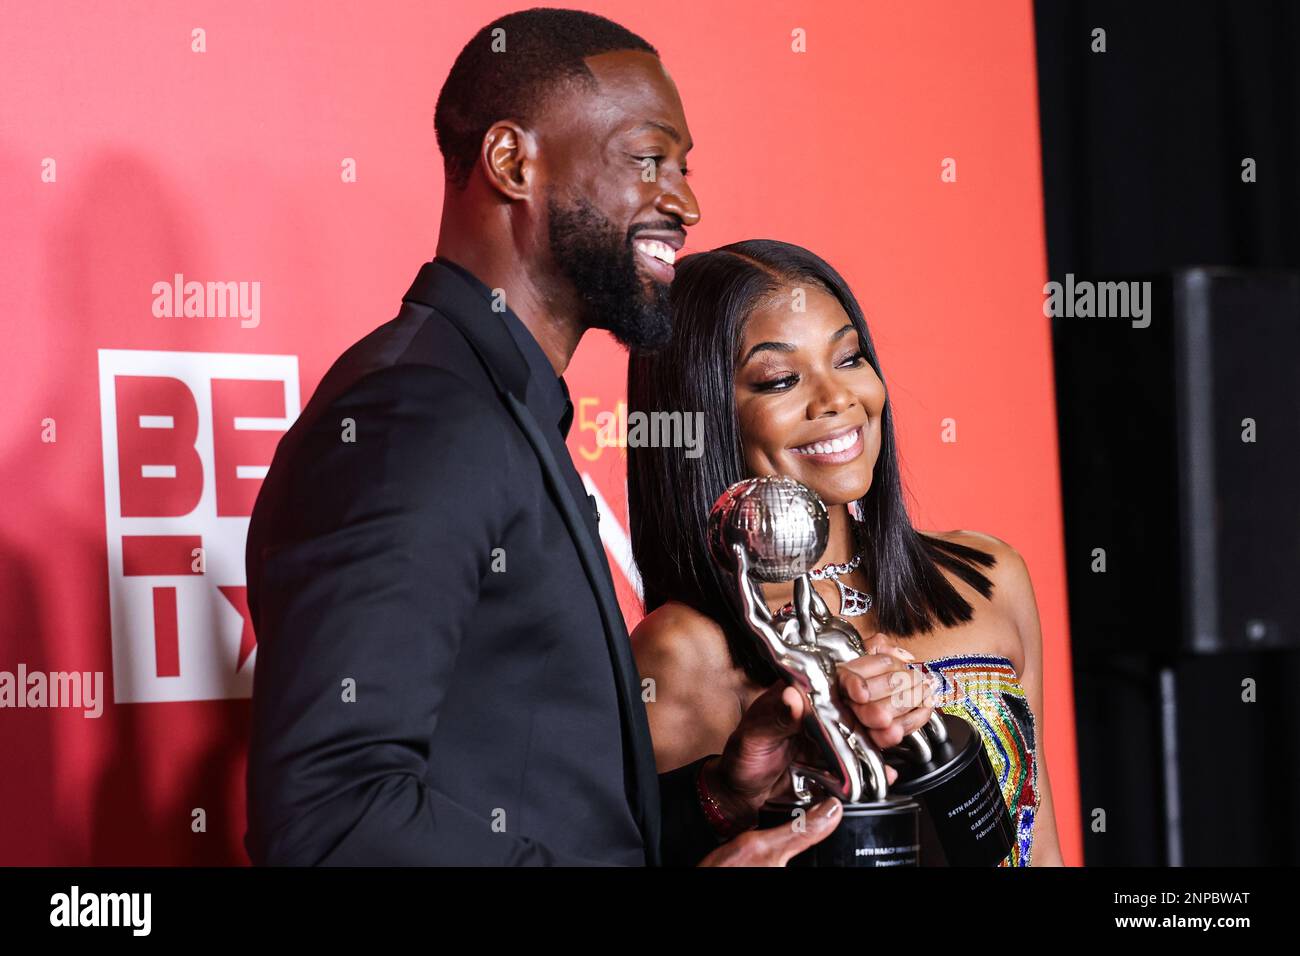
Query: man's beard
point(601, 264)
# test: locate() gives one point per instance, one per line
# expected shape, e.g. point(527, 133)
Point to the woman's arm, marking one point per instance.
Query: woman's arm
point(693, 705)
point(1020, 602)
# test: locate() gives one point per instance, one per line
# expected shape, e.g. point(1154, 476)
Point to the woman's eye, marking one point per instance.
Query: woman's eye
point(777, 384)
point(854, 360)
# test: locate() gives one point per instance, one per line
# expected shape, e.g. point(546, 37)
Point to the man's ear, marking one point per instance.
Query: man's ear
point(508, 157)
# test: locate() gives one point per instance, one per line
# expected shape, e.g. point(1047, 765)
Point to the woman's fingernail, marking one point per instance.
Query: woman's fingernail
point(904, 652)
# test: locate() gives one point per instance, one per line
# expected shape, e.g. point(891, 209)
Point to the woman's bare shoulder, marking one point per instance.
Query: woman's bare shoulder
point(694, 704)
point(1004, 554)
point(1009, 575)
point(1006, 574)
point(974, 539)
point(1001, 610)
point(679, 637)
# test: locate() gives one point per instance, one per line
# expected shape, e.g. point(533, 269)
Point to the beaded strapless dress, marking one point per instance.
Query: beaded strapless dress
point(985, 691)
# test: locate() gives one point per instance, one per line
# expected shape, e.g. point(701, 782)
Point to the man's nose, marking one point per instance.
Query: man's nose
point(678, 200)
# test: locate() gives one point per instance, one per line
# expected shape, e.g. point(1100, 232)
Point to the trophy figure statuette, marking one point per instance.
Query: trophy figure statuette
point(944, 806)
point(774, 529)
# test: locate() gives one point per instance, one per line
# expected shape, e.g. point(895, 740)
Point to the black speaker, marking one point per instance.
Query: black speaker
point(1178, 400)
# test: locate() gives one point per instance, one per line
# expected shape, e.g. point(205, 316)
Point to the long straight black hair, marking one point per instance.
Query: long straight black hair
point(670, 494)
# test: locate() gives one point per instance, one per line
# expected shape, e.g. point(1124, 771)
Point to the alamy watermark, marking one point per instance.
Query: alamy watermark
point(130, 910)
point(208, 300)
point(1101, 300)
point(651, 430)
point(72, 689)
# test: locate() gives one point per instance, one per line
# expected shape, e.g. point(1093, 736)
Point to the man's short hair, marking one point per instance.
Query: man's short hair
point(543, 48)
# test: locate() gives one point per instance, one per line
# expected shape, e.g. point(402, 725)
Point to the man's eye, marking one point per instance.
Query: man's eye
point(777, 384)
point(660, 159)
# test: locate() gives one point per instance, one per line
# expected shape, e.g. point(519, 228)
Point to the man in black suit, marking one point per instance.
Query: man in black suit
point(443, 674)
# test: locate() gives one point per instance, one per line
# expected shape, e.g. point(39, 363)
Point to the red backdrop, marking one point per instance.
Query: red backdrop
point(288, 148)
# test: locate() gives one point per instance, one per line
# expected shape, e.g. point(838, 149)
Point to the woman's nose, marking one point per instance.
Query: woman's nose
point(830, 399)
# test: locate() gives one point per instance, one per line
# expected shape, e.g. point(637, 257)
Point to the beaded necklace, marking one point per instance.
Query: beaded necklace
point(853, 603)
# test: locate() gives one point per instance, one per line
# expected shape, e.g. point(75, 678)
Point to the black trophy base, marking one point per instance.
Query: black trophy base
point(965, 821)
point(870, 834)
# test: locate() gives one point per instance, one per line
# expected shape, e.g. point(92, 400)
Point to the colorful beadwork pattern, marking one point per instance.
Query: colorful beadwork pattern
point(985, 691)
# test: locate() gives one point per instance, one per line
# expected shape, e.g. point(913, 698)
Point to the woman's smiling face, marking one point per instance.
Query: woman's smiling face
point(808, 401)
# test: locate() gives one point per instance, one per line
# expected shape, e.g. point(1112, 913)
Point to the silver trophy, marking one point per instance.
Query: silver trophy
point(774, 529)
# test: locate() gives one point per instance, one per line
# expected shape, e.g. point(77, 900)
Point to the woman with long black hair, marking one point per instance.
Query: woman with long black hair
point(771, 346)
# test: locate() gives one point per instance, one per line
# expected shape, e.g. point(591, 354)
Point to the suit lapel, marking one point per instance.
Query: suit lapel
point(645, 783)
point(439, 287)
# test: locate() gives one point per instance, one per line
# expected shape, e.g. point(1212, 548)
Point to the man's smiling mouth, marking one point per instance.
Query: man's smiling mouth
point(658, 257)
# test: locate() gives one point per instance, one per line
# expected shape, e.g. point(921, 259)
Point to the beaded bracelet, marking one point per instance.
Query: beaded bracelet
point(722, 825)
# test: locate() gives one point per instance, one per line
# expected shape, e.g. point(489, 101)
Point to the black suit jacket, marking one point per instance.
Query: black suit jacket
point(443, 674)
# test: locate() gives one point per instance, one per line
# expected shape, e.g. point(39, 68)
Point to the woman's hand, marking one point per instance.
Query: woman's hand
point(889, 698)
